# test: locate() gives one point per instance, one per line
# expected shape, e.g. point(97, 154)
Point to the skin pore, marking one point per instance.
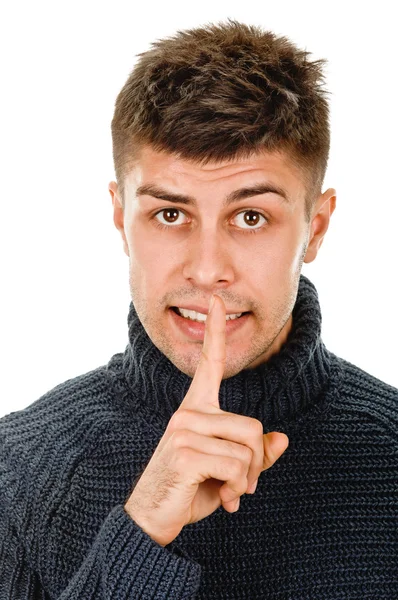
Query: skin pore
point(179, 254)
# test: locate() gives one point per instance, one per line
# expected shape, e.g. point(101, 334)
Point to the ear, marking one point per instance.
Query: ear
point(322, 211)
point(118, 214)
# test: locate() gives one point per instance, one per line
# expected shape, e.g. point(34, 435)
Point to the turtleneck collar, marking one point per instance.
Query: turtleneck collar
point(276, 392)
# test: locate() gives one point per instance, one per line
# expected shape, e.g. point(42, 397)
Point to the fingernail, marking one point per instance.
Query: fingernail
point(236, 505)
point(252, 488)
point(212, 299)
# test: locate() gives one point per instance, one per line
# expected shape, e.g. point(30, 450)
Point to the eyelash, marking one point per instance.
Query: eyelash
point(168, 227)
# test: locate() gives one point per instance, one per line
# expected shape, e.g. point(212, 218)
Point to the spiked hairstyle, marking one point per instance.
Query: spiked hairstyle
point(222, 92)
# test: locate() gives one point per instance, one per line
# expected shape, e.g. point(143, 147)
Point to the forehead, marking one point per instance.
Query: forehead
point(152, 167)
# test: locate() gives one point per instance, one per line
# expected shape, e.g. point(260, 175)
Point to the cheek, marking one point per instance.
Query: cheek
point(150, 262)
point(267, 256)
point(276, 259)
point(144, 247)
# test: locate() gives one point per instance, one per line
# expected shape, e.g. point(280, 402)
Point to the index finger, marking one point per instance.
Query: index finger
point(205, 385)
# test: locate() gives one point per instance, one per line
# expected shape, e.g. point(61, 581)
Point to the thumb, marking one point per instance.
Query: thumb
point(275, 444)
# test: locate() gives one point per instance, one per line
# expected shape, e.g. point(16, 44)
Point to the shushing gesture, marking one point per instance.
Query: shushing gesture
point(206, 457)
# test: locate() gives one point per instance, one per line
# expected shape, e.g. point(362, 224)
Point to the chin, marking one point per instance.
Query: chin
point(189, 367)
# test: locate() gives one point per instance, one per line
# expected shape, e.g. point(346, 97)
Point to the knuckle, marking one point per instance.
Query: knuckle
point(183, 459)
point(247, 455)
point(225, 417)
point(238, 468)
point(178, 419)
point(234, 474)
point(179, 438)
point(240, 451)
point(255, 427)
point(240, 486)
point(229, 467)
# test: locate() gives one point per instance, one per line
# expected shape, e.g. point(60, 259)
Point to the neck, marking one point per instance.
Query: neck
point(276, 392)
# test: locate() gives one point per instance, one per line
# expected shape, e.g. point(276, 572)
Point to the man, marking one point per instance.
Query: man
point(226, 453)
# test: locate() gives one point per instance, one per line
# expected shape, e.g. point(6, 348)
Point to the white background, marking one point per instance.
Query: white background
point(64, 275)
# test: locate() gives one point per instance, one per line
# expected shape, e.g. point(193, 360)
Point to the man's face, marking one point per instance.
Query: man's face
point(250, 251)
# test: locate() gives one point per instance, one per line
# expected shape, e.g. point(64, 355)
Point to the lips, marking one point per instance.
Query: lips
point(195, 330)
point(177, 310)
point(205, 311)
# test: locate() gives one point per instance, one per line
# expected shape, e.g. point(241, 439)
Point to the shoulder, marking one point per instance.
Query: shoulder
point(41, 445)
point(77, 403)
point(362, 394)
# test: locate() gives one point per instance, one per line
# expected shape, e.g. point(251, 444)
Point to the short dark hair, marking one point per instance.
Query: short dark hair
point(221, 92)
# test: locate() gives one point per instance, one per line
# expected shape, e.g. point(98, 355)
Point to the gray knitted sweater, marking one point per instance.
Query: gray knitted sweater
point(321, 525)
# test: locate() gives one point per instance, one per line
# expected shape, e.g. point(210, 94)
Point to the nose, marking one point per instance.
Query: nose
point(207, 261)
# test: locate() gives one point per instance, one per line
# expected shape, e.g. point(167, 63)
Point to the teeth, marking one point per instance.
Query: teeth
point(197, 316)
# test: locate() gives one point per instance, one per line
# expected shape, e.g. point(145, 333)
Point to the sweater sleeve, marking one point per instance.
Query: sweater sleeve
point(123, 563)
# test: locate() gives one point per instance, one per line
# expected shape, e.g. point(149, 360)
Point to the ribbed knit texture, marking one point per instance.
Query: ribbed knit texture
point(322, 524)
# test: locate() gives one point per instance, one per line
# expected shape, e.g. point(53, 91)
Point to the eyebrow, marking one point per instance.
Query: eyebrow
point(257, 189)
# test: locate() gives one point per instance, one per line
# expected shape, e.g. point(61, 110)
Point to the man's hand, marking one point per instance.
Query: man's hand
point(206, 457)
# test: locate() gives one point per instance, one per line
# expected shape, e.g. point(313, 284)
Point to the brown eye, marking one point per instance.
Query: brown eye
point(251, 220)
point(170, 215)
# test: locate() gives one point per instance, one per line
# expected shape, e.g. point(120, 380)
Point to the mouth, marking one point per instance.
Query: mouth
point(201, 318)
point(194, 329)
